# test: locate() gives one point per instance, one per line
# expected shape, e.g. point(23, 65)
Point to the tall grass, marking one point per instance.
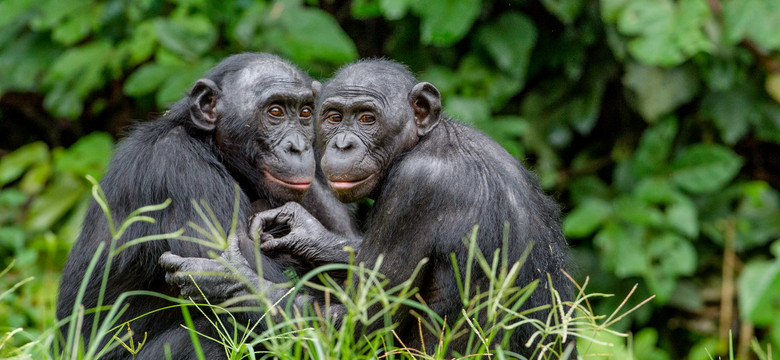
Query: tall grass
point(322, 331)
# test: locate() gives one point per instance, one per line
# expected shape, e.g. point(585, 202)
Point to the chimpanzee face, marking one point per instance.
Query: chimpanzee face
point(263, 125)
point(365, 121)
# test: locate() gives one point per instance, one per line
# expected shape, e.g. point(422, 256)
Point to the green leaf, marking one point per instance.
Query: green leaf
point(645, 346)
point(246, 28)
point(446, 21)
point(583, 188)
point(683, 217)
point(310, 35)
point(13, 165)
point(79, 65)
point(727, 110)
point(176, 85)
point(586, 218)
point(64, 102)
point(646, 17)
point(622, 249)
point(509, 42)
point(79, 25)
point(672, 256)
point(704, 168)
point(652, 154)
point(666, 33)
point(659, 91)
point(633, 210)
point(690, 20)
point(189, 37)
point(146, 79)
point(52, 12)
point(565, 10)
point(35, 179)
point(142, 42)
point(363, 9)
point(656, 191)
point(759, 300)
point(54, 202)
point(772, 86)
point(88, 156)
point(758, 215)
point(757, 20)
point(470, 110)
point(11, 10)
point(655, 50)
point(74, 75)
point(611, 9)
point(395, 9)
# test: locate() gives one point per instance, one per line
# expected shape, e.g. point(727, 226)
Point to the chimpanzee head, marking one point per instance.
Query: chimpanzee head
point(259, 110)
point(369, 114)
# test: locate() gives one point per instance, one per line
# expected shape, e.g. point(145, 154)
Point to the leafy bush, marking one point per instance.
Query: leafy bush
point(656, 123)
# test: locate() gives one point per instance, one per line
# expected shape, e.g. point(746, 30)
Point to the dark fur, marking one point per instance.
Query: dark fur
point(171, 158)
point(433, 194)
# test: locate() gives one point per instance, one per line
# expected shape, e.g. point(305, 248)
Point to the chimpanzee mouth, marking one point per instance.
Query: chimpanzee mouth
point(347, 185)
point(292, 185)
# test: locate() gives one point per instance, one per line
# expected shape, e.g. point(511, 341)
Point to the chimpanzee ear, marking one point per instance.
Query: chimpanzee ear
point(203, 102)
point(426, 103)
point(316, 88)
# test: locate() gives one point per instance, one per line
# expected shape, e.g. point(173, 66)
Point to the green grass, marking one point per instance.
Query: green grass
point(312, 333)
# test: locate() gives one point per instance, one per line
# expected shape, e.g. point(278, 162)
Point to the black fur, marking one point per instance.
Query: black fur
point(173, 158)
point(433, 187)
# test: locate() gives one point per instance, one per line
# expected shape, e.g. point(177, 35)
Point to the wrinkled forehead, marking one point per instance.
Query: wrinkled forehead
point(263, 74)
point(386, 87)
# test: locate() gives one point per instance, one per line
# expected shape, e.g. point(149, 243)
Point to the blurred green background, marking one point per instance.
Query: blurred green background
point(655, 123)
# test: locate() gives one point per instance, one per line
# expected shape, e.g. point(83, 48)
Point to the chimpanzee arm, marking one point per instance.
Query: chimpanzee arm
point(227, 277)
point(300, 235)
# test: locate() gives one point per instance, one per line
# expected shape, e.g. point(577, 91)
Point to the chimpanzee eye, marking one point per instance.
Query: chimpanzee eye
point(334, 117)
point(276, 111)
point(305, 112)
point(367, 118)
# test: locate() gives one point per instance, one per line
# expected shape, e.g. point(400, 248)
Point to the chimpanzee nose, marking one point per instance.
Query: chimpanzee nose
point(345, 142)
point(297, 144)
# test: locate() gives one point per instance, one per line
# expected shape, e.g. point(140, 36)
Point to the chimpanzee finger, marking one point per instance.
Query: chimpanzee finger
point(261, 220)
point(170, 262)
point(176, 278)
point(278, 244)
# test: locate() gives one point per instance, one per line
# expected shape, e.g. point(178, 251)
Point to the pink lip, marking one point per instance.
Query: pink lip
point(346, 185)
point(297, 185)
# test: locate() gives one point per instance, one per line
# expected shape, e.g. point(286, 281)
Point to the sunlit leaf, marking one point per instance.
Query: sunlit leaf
point(309, 35)
point(446, 21)
point(14, 164)
point(772, 85)
point(147, 79)
point(565, 10)
point(757, 20)
point(758, 295)
point(509, 41)
point(682, 216)
point(59, 197)
point(659, 91)
point(88, 156)
point(705, 168)
point(189, 36)
point(586, 218)
point(654, 148)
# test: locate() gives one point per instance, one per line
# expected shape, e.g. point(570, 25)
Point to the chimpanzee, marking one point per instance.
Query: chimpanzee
point(382, 135)
point(249, 121)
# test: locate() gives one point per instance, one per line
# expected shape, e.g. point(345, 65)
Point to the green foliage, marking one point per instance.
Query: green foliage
point(656, 123)
point(42, 203)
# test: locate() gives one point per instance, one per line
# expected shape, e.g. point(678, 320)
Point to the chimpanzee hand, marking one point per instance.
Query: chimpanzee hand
point(217, 279)
point(292, 230)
